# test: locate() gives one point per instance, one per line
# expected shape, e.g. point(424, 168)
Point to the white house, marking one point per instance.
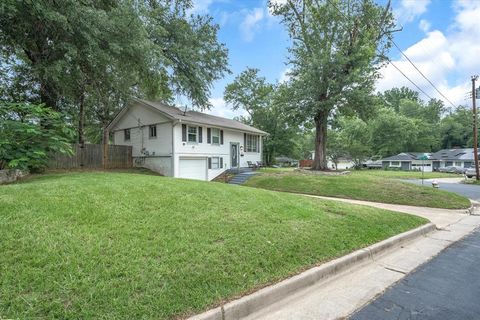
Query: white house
point(181, 144)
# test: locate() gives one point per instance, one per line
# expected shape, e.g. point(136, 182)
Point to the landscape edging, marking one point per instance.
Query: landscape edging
point(258, 300)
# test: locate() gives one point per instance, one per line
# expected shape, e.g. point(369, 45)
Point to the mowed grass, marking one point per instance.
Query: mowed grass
point(362, 185)
point(130, 246)
point(403, 174)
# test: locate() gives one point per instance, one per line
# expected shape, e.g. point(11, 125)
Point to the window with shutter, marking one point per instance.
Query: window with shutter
point(200, 134)
point(221, 136)
point(215, 136)
point(221, 162)
point(209, 163)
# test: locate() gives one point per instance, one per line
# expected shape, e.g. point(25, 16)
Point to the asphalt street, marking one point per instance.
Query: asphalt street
point(446, 288)
point(467, 190)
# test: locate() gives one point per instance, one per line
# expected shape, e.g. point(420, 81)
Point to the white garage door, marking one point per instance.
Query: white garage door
point(193, 169)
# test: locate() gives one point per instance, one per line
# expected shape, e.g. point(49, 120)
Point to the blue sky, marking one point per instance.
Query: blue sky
point(441, 37)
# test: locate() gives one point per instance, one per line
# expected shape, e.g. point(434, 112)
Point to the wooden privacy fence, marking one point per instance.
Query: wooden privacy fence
point(90, 157)
point(305, 163)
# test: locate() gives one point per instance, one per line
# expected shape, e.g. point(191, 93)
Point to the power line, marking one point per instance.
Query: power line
point(413, 64)
point(391, 62)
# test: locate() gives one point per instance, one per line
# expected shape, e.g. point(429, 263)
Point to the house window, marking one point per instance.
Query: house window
point(395, 163)
point(215, 136)
point(458, 163)
point(192, 134)
point(153, 131)
point(126, 134)
point(215, 163)
point(251, 143)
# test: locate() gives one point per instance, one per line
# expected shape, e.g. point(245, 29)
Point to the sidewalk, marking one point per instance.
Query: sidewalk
point(440, 217)
point(339, 296)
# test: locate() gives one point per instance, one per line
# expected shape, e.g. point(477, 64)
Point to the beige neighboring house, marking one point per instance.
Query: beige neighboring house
point(190, 144)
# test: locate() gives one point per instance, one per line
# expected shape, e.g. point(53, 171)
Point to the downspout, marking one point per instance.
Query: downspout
point(174, 123)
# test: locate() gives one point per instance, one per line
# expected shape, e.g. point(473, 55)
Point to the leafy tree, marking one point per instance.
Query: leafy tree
point(391, 132)
point(334, 58)
point(335, 148)
point(394, 96)
point(28, 133)
point(85, 55)
point(264, 104)
point(456, 129)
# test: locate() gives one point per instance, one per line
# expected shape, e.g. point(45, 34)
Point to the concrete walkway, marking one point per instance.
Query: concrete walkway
point(440, 217)
point(340, 296)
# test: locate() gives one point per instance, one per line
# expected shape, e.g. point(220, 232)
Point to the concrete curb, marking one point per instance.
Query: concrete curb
point(256, 301)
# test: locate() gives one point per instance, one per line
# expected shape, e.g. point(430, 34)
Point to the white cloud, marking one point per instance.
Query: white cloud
point(424, 25)
point(221, 109)
point(447, 59)
point(251, 23)
point(410, 9)
point(285, 75)
point(200, 6)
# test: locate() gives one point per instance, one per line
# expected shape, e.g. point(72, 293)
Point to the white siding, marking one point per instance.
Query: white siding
point(167, 148)
point(204, 149)
point(139, 134)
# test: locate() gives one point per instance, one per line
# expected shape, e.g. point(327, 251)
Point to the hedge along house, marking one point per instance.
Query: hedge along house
point(409, 161)
point(185, 144)
point(453, 157)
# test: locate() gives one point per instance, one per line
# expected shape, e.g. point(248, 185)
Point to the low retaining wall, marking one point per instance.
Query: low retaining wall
point(11, 175)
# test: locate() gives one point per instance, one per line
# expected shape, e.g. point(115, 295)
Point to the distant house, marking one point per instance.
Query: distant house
point(343, 163)
point(409, 161)
point(189, 144)
point(453, 157)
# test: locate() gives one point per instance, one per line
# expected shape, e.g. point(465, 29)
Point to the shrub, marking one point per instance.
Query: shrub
point(28, 133)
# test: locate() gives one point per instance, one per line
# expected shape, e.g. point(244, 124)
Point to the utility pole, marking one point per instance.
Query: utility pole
point(475, 130)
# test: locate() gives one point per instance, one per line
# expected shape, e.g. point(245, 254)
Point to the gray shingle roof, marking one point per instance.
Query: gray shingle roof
point(407, 156)
point(200, 118)
point(453, 154)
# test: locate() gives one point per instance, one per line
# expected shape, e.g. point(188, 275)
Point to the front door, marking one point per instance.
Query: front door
point(234, 155)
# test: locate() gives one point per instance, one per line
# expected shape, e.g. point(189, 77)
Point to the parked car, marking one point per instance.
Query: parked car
point(460, 170)
point(448, 169)
point(470, 172)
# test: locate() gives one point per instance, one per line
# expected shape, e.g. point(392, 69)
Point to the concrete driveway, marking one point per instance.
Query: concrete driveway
point(453, 185)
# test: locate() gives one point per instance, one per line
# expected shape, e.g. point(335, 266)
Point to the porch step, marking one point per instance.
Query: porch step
point(241, 177)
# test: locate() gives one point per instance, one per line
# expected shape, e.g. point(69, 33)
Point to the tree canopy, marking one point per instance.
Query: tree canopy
point(87, 58)
point(337, 49)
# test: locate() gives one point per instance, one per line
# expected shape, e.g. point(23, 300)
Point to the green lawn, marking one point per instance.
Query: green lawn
point(117, 245)
point(363, 185)
point(404, 174)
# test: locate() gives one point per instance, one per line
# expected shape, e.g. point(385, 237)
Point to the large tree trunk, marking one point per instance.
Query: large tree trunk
point(320, 159)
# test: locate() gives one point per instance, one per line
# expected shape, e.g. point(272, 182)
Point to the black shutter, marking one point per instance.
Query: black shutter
point(258, 144)
point(209, 163)
point(200, 134)
point(221, 136)
point(245, 142)
point(209, 135)
point(184, 132)
point(221, 162)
